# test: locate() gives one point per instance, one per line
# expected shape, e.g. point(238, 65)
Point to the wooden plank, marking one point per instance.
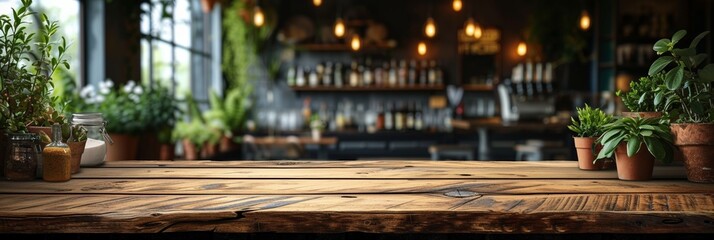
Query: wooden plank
point(388, 213)
point(348, 186)
point(670, 172)
point(336, 164)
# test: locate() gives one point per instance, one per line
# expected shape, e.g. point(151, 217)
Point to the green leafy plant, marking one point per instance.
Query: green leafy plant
point(159, 111)
point(591, 122)
point(653, 132)
point(120, 107)
point(25, 72)
point(641, 96)
point(195, 129)
point(688, 83)
point(228, 114)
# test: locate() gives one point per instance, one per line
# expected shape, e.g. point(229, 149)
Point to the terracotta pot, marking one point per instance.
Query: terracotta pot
point(123, 148)
point(639, 167)
point(76, 150)
point(696, 143)
point(642, 114)
point(208, 150)
point(586, 154)
point(167, 151)
point(227, 145)
point(189, 150)
point(148, 147)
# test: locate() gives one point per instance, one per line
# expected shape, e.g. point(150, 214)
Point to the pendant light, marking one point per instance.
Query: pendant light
point(317, 3)
point(258, 16)
point(584, 20)
point(522, 49)
point(478, 32)
point(457, 5)
point(469, 27)
point(339, 28)
point(355, 43)
point(430, 27)
point(421, 48)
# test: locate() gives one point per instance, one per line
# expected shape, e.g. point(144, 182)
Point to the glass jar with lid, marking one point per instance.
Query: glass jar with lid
point(22, 156)
point(95, 149)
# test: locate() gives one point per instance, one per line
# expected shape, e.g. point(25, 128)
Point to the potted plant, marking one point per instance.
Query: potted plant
point(640, 98)
point(228, 116)
point(26, 72)
point(120, 108)
point(76, 138)
point(194, 133)
point(158, 115)
point(588, 127)
point(688, 87)
point(626, 137)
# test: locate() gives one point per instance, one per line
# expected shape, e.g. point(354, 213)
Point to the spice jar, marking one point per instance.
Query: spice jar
point(22, 154)
point(56, 158)
point(95, 150)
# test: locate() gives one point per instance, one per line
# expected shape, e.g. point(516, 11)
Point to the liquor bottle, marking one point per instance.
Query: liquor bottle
point(418, 118)
point(378, 80)
point(327, 77)
point(300, 79)
point(338, 75)
point(379, 123)
point(439, 73)
point(320, 70)
point(399, 117)
point(312, 78)
point(393, 73)
point(423, 78)
point(402, 73)
point(291, 76)
point(367, 74)
point(306, 112)
point(432, 72)
point(385, 73)
point(354, 75)
point(412, 73)
point(388, 118)
point(409, 117)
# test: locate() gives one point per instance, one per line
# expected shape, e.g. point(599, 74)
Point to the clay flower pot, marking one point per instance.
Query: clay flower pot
point(227, 145)
point(167, 151)
point(639, 167)
point(123, 148)
point(696, 142)
point(189, 150)
point(76, 150)
point(586, 155)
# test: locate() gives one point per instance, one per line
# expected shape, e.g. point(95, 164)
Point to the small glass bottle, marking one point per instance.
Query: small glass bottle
point(56, 158)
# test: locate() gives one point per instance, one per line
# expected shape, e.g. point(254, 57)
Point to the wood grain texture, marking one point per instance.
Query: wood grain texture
point(542, 172)
point(363, 196)
point(349, 186)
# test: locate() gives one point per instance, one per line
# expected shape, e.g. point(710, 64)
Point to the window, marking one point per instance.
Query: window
point(178, 47)
point(67, 14)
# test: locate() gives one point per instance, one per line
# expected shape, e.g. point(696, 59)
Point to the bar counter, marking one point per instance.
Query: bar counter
point(357, 196)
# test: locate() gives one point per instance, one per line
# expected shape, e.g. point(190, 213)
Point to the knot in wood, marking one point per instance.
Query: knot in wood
point(460, 193)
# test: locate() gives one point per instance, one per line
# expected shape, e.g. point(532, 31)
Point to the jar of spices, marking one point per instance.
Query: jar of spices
point(95, 150)
point(21, 156)
point(56, 156)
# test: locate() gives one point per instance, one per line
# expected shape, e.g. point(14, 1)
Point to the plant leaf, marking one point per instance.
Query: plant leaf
point(698, 38)
point(674, 78)
point(659, 64)
point(707, 73)
point(656, 148)
point(661, 46)
point(678, 36)
point(633, 145)
point(686, 52)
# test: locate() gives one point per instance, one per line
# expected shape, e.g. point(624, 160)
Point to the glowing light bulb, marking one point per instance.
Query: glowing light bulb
point(339, 28)
point(430, 27)
point(584, 20)
point(258, 17)
point(522, 49)
point(355, 43)
point(421, 48)
point(317, 3)
point(478, 32)
point(457, 4)
point(469, 27)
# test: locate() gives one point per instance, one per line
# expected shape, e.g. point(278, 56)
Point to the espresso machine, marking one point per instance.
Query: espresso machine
point(528, 95)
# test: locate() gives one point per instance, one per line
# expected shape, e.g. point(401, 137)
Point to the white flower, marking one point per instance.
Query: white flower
point(109, 83)
point(88, 92)
point(138, 90)
point(129, 86)
point(98, 99)
point(104, 90)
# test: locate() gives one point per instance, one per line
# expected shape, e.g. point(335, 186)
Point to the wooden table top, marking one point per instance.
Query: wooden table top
point(361, 196)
